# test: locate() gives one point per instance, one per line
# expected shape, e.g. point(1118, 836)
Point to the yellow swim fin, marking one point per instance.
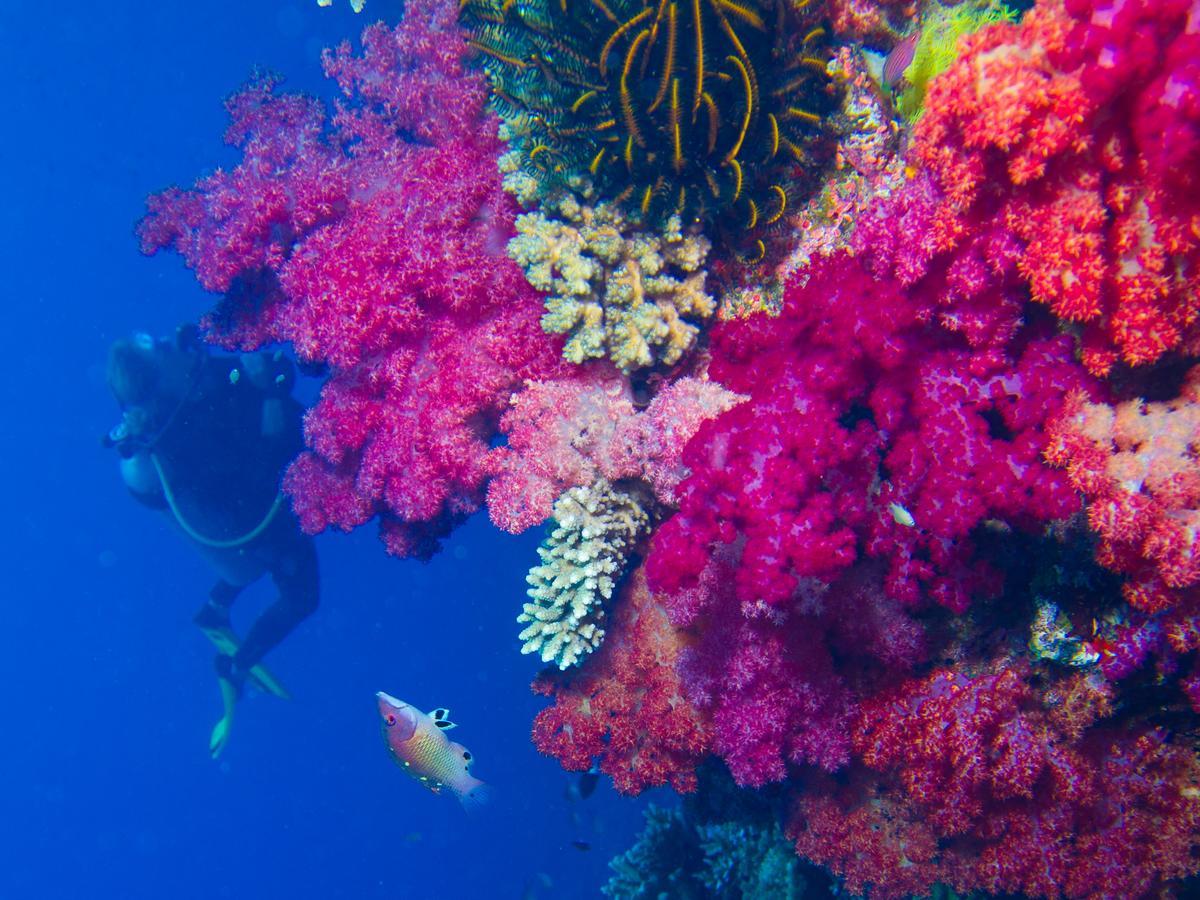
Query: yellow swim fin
point(220, 732)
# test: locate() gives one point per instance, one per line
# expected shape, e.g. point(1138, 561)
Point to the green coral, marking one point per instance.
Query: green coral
point(582, 560)
point(937, 48)
point(636, 297)
point(723, 843)
point(753, 862)
point(661, 864)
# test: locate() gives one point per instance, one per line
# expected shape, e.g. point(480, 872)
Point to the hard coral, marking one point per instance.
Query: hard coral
point(375, 246)
point(598, 528)
point(617, 290)
point(624, 706)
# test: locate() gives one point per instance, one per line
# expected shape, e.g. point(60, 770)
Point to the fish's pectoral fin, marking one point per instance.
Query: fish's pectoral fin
point(441, 718)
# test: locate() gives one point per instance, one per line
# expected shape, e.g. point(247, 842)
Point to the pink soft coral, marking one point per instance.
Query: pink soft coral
point(567, 433)
point(378, 250)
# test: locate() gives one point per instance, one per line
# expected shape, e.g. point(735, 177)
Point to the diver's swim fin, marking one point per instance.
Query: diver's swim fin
point(227, 643)
point(220, 732)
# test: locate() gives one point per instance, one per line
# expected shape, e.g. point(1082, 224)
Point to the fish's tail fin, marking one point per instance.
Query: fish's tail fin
point(476, 796)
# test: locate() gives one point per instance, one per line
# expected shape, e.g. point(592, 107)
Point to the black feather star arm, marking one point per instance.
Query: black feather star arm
point(716, 110)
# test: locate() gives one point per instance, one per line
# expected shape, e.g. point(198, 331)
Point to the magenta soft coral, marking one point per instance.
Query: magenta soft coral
point(857, 403)
point(377, 248)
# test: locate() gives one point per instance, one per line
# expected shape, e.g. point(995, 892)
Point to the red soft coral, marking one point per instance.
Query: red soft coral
point(624, 707)
point(998, 782)
point(1054, 131)
point(1138, 465)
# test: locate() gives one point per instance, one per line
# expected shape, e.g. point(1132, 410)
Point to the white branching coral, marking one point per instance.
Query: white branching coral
point(582, 560)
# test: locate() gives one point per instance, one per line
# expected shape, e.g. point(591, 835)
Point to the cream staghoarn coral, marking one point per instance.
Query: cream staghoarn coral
point(636, 297)
point(597, 528)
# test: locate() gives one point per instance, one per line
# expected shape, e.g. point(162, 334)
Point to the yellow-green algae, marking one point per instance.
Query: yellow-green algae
point(937, 48)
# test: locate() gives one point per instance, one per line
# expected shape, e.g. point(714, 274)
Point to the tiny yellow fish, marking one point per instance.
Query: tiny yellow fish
point(420, 747)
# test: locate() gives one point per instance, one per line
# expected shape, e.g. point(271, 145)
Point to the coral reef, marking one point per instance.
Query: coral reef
point(617, 290)
point(598, 528)
point(919, 574)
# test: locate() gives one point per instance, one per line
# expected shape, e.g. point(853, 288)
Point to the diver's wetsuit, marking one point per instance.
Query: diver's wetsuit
point(221, 457)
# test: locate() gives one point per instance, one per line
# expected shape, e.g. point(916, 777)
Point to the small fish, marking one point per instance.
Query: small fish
point(583, 846)
point(900, 59)
point(420, 747)
point(901, 516)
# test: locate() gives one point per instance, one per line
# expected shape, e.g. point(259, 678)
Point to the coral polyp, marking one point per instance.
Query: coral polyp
point(716, 110)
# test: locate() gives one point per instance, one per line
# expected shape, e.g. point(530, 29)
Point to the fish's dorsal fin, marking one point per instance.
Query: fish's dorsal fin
point(441, 718)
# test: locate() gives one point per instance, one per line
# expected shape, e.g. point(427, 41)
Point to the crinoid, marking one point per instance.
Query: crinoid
point(713, 109)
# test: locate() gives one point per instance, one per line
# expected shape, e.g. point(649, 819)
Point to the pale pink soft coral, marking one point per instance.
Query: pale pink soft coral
point(567, 433)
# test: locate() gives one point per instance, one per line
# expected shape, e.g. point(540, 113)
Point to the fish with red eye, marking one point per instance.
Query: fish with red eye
point(418, 744)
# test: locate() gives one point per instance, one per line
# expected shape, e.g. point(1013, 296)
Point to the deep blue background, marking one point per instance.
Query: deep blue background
point(106, 789)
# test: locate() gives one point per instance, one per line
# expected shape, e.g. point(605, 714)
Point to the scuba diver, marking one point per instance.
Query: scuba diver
point(204, 437)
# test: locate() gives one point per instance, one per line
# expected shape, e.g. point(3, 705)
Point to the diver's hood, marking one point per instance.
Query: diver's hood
point(151, 379)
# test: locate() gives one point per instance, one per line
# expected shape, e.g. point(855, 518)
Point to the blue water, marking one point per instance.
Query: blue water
point(108, 690)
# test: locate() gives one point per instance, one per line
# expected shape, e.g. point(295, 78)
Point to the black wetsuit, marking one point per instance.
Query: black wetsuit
point(222, 455)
